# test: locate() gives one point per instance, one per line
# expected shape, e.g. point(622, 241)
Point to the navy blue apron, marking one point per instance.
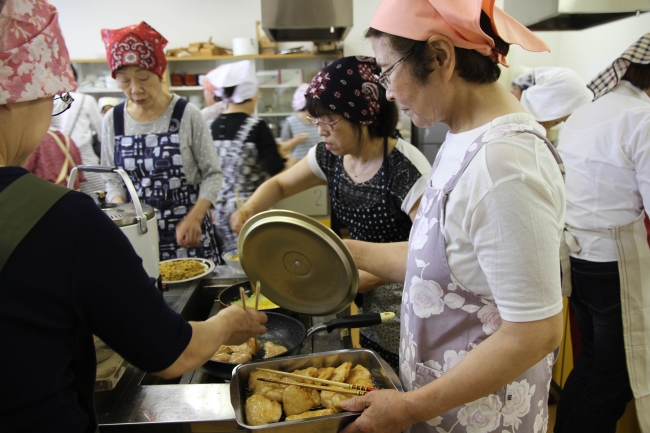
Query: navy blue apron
point(155, 166)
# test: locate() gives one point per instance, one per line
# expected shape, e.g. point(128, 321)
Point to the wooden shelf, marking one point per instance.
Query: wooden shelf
point(230, 57)
point(92, 90)
point(185, 88)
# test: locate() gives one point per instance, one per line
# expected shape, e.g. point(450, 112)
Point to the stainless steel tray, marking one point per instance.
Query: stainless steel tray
point(382, 373)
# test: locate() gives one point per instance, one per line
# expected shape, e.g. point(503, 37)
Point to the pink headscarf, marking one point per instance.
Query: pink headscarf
point(459, 20)
point(34, 61)
point(298, 102)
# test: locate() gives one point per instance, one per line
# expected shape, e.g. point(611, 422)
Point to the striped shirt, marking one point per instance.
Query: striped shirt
point(293, 126)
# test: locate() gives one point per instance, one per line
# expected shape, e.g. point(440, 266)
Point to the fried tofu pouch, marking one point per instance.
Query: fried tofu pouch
point(260, 410)
point(311, 414)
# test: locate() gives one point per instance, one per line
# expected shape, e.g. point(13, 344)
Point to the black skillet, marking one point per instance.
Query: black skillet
point(290, 333)
point(231, 294)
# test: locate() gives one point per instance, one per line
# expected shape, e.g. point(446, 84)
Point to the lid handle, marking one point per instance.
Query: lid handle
point(141, 217)
point(357, 321)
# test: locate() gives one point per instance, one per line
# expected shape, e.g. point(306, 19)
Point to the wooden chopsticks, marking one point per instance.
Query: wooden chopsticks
point(242, 293)
point(316, 379)
point(321, 388)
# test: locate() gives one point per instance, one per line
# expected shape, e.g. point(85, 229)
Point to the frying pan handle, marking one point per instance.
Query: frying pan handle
point(358, 321)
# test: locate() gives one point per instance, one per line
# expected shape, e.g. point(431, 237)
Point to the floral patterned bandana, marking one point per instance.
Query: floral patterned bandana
point(136, 45)
point(349, 87)
point(639, 53)
point(34, 61)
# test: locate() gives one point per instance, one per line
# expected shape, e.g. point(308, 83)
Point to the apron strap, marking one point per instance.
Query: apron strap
point(118, 119)
point(68, 161)
point(177, 115)
point(22, 205)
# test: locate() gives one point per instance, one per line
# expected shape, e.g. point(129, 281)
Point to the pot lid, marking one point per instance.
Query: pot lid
point(301, 264)
point(125, 214)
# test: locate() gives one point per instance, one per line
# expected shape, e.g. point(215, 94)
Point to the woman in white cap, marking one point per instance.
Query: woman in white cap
point(106, 103)
point(247, 150)
point(553, 94)
point(163, 143)
point(298, 134)
point(605, 146)
point(48, 316)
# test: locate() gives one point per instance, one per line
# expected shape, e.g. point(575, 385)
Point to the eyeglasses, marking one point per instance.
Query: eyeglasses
point(62, 103)
point(383, 77)
point(326, 126)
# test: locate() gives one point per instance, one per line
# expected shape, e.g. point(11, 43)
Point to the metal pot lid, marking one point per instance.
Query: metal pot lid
point(301, 264)
point(125, 214)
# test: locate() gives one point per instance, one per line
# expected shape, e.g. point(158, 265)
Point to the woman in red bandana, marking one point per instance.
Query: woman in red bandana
point(164, 144)
point(53, 241)
point(482, 304)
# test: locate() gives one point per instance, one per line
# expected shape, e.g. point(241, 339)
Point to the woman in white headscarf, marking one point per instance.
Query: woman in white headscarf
point(553, 94)
point(298, 134)
point(247, 150)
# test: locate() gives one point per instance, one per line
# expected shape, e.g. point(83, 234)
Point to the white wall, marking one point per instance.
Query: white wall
point(587, 51)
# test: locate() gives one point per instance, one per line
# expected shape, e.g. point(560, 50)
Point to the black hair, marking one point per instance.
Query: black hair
point(228, 92)
point(639, 75)
point(383, 126)
point(470, 64)
point(74, 72)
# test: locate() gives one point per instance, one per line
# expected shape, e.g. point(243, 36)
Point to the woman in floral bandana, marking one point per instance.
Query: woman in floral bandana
point(375, 180)
point(482, 304)
point(48, 316)
point(163, 143)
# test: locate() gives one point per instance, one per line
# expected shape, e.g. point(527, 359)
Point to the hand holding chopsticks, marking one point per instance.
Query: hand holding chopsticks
point(242, 293)
point(320, 388)
point(316, 379)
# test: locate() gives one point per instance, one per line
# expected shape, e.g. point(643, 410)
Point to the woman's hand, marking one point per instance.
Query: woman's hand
point(383, 411)
point(237, 220)
point(241, 324)
point(188, 232)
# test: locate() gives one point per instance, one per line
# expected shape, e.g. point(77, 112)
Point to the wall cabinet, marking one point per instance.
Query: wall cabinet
point(279, 76)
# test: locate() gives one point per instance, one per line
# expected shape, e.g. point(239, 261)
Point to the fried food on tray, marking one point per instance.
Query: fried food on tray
point(260, 410)
point(180, 269)
point(297, 400)
point(312, 414)
point(272, 349)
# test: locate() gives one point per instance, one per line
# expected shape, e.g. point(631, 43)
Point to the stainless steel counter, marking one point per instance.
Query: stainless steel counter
point(141, 401)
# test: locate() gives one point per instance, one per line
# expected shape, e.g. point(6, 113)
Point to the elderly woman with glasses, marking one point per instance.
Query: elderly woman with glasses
point(482, 305)
point(375, 180)
point(54, 311)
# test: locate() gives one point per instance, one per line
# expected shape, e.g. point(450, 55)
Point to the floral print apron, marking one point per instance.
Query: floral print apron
point(442, 322)
point(243, 173)
point(155, 167)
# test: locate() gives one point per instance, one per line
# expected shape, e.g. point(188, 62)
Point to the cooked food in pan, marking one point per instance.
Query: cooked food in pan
point(298, 397)
point(180, 270)
point(245, 352)
point(263, 304)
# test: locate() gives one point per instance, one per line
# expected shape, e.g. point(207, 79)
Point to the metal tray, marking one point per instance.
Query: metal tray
point(302, 265)
point(382, 374)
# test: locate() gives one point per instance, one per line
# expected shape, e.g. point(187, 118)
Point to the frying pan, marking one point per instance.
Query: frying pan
point(231, 294)
point(290, 333)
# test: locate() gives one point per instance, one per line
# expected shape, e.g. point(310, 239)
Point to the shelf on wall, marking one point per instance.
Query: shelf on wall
point(82, 90)
point(229, 57)
point(184, 88)
point(279, 86)
point(274, 114)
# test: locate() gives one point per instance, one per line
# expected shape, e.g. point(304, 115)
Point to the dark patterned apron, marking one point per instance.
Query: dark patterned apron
point(442, 322)
point(155, 167)
point(367, 219)
point(242, 172)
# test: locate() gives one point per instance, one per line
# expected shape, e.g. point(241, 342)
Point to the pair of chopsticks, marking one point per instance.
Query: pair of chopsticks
point(320, 388)
point(242, 293)
point(316, 379)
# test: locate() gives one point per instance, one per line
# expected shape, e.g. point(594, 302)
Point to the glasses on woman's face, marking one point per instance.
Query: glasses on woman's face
point(384, 76)
point(326, 126)
point(62, 103)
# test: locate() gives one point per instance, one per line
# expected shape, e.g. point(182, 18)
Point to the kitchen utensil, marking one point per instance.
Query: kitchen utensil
point(290, 333)
point(208, 264)
point(315, 379)
point(320, 388)
point(382, 375)
point(302, 265)
point(137, 221)
point(231, 294)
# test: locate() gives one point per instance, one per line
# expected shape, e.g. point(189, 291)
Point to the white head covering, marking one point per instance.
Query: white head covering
point(298, 102)
point(240, 74)
point(108, 100)
point(554, 93)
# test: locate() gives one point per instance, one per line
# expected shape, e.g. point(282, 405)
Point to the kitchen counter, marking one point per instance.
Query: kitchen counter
point(144, 402)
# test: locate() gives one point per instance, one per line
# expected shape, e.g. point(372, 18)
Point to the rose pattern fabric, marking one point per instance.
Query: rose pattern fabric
point(34, 61)
point(443, 321)
point(137, 45)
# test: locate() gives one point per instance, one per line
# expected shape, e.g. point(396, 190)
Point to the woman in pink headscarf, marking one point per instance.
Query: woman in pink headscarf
point(481, 310)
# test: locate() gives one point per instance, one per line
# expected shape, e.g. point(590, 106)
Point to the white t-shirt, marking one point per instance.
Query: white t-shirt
point(504, 220)
point(605, 146)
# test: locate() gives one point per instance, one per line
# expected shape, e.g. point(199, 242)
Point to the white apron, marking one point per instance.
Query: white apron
point(634, 272)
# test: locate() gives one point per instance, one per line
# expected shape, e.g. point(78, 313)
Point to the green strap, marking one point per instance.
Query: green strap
point(22, 205)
